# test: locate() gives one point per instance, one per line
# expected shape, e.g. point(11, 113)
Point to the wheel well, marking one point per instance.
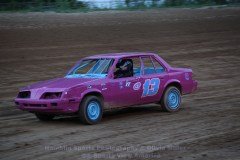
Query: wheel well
point(90, 94)
point(175, 84)
point(93, 94)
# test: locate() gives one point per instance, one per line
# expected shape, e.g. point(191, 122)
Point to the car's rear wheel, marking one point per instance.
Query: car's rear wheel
point(44, 117)
point(171, 99)
point(91, 110)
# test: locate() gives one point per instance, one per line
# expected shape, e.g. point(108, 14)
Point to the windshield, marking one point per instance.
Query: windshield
point(91, 68)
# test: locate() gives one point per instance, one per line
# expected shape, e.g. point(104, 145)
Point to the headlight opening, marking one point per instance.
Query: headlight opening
point(51, 95)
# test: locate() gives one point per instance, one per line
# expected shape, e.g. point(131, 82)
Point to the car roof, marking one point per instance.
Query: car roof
point(122, 55)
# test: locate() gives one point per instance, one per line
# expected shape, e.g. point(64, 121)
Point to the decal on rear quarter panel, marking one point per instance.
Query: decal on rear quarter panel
point(151, 87)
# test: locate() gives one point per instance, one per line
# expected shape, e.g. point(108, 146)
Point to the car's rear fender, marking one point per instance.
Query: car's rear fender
point(184, 77)
point(173, 82)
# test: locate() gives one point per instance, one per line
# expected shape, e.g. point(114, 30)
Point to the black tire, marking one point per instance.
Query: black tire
point(44, 117)
point(167, 101)
point(84, 113)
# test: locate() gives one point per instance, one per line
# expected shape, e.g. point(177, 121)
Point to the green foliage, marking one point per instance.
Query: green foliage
point(40, 5)
point(71, 5)
point(174, 2)
point(62, 4)
point(170, 3)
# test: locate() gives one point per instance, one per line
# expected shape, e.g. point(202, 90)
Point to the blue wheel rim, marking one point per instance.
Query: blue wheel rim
point(93, 110)
point(173, 99)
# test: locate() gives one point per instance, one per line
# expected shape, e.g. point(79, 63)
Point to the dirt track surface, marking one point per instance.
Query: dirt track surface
point(40, 46)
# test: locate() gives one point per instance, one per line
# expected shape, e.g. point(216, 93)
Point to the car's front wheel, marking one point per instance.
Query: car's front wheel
point(171, 99)
point(91, 110)
point(44, 117)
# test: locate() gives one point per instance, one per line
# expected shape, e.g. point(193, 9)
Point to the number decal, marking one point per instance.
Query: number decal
point(128, 84)
point(151, 87)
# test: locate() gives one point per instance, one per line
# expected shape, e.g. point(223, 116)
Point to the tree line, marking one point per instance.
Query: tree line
point(39, 5)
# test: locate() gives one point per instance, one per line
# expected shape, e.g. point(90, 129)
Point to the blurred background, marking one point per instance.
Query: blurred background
point(83, 5)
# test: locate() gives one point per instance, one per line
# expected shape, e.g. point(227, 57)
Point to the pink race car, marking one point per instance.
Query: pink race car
point(107, 81)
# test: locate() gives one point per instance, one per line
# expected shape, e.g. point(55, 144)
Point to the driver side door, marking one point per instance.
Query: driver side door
point(127, 91)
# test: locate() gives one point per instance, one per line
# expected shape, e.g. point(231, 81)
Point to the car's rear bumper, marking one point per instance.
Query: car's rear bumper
point(189, 87)
point(194, 86)
point(55, 106)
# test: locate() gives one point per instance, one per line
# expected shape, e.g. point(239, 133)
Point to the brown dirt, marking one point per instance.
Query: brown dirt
point(40, 46)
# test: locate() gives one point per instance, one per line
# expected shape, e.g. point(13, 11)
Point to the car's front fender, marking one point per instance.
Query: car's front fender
point(91, 91)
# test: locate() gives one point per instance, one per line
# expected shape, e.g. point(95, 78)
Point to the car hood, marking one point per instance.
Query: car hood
point(60, 83)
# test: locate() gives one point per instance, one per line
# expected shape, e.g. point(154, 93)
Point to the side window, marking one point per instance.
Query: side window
point(128, 67)
point(124, 68)
point(158, 67)
point(148, 66)
point(136, 66)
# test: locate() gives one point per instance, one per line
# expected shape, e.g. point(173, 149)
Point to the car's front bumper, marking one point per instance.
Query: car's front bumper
point(56, 106)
